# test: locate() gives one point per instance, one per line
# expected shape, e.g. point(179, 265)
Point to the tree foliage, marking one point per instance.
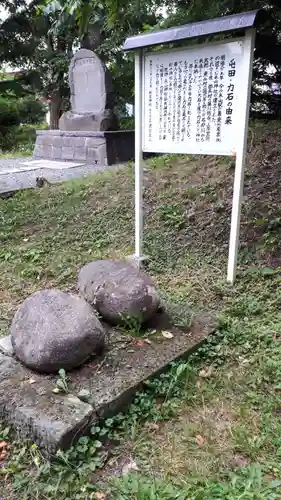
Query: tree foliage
point(103, 27)
point(40, 37)
point(26, 41)
point(267, 56)
point(114, 20)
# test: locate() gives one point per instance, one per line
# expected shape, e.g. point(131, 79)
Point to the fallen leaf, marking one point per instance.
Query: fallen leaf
point(99, 495)
point(200, 440)
point(25, 239)
point(56, 390)
point(139, 343)
point(147, 341)
point(32, 380)
point(167, 335)
point(206, 373)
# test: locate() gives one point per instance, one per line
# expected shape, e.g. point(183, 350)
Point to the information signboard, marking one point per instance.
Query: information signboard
point(193, 99)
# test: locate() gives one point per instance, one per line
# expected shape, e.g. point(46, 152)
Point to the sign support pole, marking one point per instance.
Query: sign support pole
point(249, 44)
point(138, 157)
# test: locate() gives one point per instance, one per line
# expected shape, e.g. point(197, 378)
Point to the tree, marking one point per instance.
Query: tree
point(268, 41)
point(41, 38)
point(41, 42)
point(113, 20)
point(103, 27)
point(26, 41)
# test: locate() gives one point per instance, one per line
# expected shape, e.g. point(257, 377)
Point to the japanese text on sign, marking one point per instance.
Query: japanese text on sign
point(191, 99)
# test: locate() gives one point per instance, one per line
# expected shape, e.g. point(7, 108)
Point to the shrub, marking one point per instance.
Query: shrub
point(20, 139)
point(9, 118)
point(16, 116)
point(9, 113)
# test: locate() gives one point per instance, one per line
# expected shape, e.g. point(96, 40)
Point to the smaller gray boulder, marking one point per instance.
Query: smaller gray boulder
point(53, 329)
point(117, 290)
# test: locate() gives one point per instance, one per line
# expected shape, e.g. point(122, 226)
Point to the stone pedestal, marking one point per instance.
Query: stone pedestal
point(95, 148)
point(86, 132)
point(70, 121)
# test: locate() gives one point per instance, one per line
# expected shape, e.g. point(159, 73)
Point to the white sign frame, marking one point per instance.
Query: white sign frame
point(233, 48)
point(248, 42)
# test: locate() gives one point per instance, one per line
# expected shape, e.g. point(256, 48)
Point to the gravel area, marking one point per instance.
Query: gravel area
point(14, 181)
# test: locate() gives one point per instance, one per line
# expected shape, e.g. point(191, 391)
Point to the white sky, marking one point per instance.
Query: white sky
point(3, 13)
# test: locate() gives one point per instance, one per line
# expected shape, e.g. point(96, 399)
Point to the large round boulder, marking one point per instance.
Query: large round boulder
point(53, 329)
point(118, 290)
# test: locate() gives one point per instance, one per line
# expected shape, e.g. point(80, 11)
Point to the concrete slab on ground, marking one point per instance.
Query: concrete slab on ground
point(52, 164)
point(54, 420)
point(29, 165)
point(18, 169)
point(21, 173)
point(29, 405)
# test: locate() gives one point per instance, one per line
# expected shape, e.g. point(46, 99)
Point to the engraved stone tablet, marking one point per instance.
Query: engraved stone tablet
point(90, 94)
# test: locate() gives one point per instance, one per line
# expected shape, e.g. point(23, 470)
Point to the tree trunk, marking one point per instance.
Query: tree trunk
point(93, 38)
point(55, 106)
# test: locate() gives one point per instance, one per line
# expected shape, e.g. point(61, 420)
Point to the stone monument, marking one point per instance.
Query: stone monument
point(88, 132)
point(91, 95)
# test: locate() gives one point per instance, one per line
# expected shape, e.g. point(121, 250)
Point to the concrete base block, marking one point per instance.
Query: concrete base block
point(95, 148)
point(28, 404)
point(53, 421)
point(71, 121)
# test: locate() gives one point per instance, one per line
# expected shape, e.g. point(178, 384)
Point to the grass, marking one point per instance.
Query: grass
point(207, 429)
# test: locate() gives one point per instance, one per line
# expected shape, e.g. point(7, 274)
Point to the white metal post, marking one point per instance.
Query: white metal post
point(249, 44)
point(138, 157)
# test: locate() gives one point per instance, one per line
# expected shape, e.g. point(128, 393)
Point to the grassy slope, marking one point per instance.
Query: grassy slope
point(226, 413)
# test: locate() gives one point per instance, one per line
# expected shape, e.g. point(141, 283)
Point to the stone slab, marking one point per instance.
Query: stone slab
point(25, 167)
point(28, 404)
point(13, 182)
point(70, 121)
point(54, 420)
point(6, 345)
point(67, 153)
point(56, 153)
point(52, 165)
point(121, 373)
